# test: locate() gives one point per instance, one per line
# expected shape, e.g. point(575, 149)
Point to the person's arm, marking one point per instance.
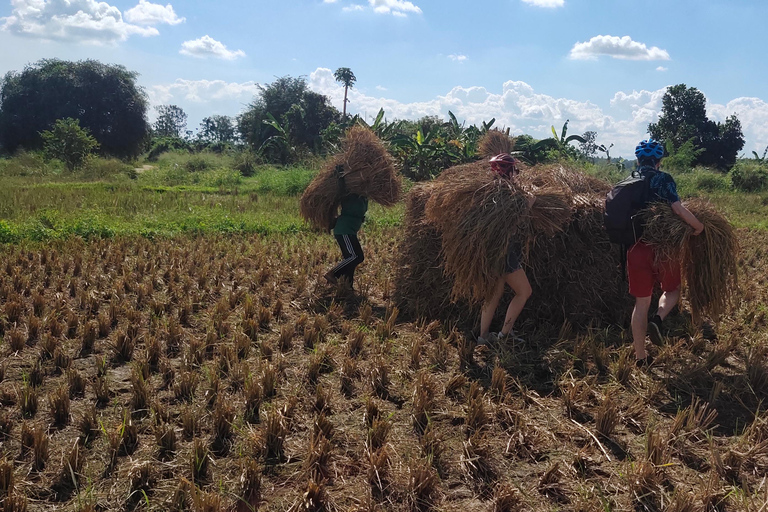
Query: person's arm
point(689, 218)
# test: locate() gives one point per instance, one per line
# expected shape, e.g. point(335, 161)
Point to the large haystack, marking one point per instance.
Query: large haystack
point(708, 261)
point(573, 268)
point(367, 169)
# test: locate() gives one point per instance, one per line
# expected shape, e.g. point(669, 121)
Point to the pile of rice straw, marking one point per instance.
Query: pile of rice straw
point(368, 170)
point(708, 261)
point(495, 142)
point(458, 229)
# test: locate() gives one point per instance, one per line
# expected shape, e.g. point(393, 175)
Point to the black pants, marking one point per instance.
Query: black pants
point(353, 256)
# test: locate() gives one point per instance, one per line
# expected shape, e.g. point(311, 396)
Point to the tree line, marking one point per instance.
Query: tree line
point(287, 121)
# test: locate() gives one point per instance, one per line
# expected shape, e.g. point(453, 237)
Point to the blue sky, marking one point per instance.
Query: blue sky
point(529, 63)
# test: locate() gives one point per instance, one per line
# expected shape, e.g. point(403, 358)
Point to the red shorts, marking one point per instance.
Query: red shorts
point(644, 273)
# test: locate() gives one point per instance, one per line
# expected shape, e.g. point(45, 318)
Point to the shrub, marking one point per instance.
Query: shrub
point(164, 144)
point(221, 178)
point(750, 176)
point(683, 158)
point(28, 164)
point(101, 168)
point(68, 142)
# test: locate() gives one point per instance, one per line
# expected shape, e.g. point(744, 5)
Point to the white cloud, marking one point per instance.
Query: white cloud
point(458, 58)
point(753, 114)
point(381, 88)
point(352, 8)
point(618, 48)
point(546, 3)
point(395, 7)
point(330, 1)
point(661, 69)
point(207, 46)
point(87, 21)
point(202, 91)
point(147, 13)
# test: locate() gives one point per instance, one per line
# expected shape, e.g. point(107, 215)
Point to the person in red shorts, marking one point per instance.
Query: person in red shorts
point(642, 267)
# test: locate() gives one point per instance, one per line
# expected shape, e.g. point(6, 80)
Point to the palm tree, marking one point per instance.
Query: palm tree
point(347, 77)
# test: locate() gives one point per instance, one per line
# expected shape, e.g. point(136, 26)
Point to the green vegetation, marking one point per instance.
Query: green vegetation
point(42, 201)
point(203, 193)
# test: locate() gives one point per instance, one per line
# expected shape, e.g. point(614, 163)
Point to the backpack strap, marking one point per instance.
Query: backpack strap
point(339, 171)
point(623, 250)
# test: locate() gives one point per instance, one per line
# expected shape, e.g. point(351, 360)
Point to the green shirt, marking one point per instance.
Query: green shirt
point(353, 208)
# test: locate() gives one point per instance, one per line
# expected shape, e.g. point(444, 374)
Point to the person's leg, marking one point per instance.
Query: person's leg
point(489, 308)
point(670, 279)
point(640, 325)
point(358, 257)
point(667, 301)
point(350, 257)
point(641, 275)
point(518, 281)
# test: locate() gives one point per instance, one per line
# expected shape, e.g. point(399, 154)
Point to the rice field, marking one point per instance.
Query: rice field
point(215, 370)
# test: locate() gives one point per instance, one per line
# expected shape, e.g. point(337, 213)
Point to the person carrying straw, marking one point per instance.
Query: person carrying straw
point(349, 222)
point(644, 269)
point(514, 275)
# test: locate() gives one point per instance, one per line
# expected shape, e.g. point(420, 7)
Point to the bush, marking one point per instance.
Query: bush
point(750, 176)
point(165, 144)
point(246, 162)
point(709, 181)
point(29, 164)
point(221, 178)
point(102, 168)
point(68, 142)
point(683, 158)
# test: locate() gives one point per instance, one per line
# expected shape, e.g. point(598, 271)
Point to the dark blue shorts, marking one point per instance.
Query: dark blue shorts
point(514, 254)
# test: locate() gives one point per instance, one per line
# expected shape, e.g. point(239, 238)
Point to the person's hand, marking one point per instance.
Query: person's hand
point(698, 229)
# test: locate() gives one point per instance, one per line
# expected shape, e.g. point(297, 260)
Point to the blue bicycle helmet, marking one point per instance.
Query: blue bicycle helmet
point(649, 149)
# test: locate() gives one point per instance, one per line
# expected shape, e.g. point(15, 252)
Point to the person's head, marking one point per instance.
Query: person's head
point(504, 165)
point(649, 152)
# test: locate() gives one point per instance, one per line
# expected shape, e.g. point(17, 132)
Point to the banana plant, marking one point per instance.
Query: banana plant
point(424, 156)
point(383, 130)
point(280, 142)
point(759, 158)
point(563, 140)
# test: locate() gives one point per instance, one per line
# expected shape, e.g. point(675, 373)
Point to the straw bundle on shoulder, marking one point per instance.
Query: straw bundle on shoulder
point(476, 215)
point(495, 142)
point(367, 169)
point(708, 261)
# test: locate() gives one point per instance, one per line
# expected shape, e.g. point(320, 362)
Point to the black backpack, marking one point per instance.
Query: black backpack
point(623, 205)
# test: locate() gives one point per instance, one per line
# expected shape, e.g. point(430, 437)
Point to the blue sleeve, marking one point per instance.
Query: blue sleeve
point(664, 187)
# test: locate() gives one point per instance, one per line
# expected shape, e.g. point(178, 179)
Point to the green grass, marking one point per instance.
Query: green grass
point(164, 201)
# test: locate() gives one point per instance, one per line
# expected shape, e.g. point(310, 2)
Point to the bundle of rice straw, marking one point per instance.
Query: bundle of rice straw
point(495, 142)
point(708, 261)
point(368, 170)
point(476, 214)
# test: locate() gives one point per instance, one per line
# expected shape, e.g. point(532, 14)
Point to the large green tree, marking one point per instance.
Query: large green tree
point(684, 117)
point(288, 111)
point(217, 129)
point(171, 122)
point(104, 98)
